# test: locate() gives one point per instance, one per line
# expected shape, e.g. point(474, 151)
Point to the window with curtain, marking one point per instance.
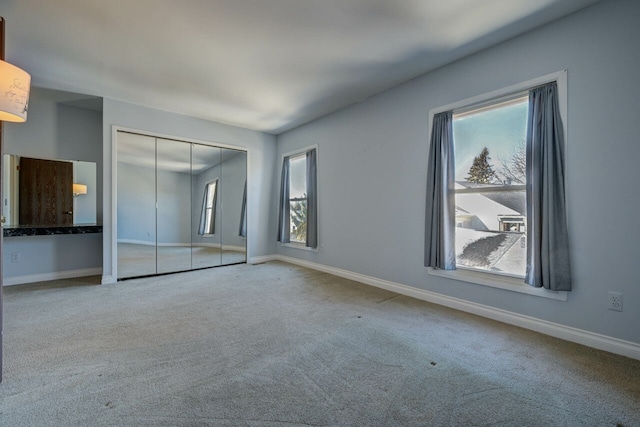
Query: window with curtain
point(495, 191)
point(298, 200)
point(208, 212)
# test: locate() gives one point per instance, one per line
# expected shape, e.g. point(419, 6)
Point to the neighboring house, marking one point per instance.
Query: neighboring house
point(489, 233)
point(481, 211)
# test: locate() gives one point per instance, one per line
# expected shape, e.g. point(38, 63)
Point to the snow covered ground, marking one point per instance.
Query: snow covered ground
point(493, 251)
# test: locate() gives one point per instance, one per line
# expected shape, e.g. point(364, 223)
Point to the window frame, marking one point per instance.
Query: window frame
point(302, 156)
point(295, 244)
point(495, 279)
point(488, 105)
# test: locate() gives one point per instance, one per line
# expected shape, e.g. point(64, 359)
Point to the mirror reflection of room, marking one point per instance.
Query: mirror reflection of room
point(49, 193)
point(43, 158)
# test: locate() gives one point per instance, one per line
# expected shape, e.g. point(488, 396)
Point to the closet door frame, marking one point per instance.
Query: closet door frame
point(110, 246)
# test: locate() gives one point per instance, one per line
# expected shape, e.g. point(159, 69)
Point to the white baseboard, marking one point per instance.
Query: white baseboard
point(262, 259)
point(568, 333)
point(207, 245)
point(186, 245)
point(32, 278)
point(219, 246)
point(146, 243)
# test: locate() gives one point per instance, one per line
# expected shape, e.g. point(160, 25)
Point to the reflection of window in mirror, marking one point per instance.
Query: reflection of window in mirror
point(208, 215)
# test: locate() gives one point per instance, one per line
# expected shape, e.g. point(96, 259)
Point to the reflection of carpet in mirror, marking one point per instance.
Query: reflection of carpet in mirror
point(139, 260)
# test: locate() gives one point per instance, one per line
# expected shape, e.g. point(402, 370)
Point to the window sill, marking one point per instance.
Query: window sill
point(497, 281)
point(299, 246)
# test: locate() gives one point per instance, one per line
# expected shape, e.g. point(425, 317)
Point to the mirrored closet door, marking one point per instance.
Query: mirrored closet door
point(181, 205)
point(173, 195)
point(233, 167)
point(136, 220)
point(206, 215)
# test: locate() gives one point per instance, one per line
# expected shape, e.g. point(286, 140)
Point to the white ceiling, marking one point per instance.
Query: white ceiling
point(170, 155)
point(268, 65)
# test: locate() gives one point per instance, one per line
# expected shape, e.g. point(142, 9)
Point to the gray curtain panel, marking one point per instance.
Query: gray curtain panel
point(547, 237)
point(242, 232)
point(202, 229)
point(312, 199)
point(284, 219)
point(440, 210)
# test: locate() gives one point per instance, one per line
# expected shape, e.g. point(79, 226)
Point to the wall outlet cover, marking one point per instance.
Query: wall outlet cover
point(615, 301)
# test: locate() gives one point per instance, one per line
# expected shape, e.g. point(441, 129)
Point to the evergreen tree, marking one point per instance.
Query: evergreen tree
point(481, 172)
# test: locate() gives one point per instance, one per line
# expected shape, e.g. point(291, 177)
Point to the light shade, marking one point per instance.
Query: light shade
point(79, 189)
point(14, 93)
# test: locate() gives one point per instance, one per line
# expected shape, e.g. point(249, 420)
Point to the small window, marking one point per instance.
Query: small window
point(298, 206)
point(298, 198)
point(490, 201)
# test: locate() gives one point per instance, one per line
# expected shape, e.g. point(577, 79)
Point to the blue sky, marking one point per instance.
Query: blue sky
point(298, 176)
point(497, 129)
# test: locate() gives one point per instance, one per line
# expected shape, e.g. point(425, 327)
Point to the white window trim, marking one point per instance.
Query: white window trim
point(298, 152)
point(300, 245)
point(499, 281)
point(494, 280)
point(560, 77)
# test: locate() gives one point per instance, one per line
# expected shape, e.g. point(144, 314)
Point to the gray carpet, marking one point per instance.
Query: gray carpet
point(278, 345)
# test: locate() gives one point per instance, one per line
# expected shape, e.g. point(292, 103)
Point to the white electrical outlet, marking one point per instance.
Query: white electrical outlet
point(615, 301)
point(15, 256)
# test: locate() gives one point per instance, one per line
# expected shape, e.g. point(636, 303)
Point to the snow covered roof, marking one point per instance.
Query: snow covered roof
point(486, 209)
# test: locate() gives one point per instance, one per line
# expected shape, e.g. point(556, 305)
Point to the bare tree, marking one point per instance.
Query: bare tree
point(514, 168)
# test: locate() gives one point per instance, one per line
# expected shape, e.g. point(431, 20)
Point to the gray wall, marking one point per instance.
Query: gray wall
point(50, 255)
point(136, 210)
point(136, 205)
point(55, 131)
point(372, 166)
point(85, 207)
point(261, 166)
point(174, 198)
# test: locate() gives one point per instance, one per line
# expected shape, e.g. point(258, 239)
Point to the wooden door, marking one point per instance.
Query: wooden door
point(46, 192)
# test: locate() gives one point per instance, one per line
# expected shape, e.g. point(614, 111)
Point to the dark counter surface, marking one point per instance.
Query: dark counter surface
point(26, 230)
